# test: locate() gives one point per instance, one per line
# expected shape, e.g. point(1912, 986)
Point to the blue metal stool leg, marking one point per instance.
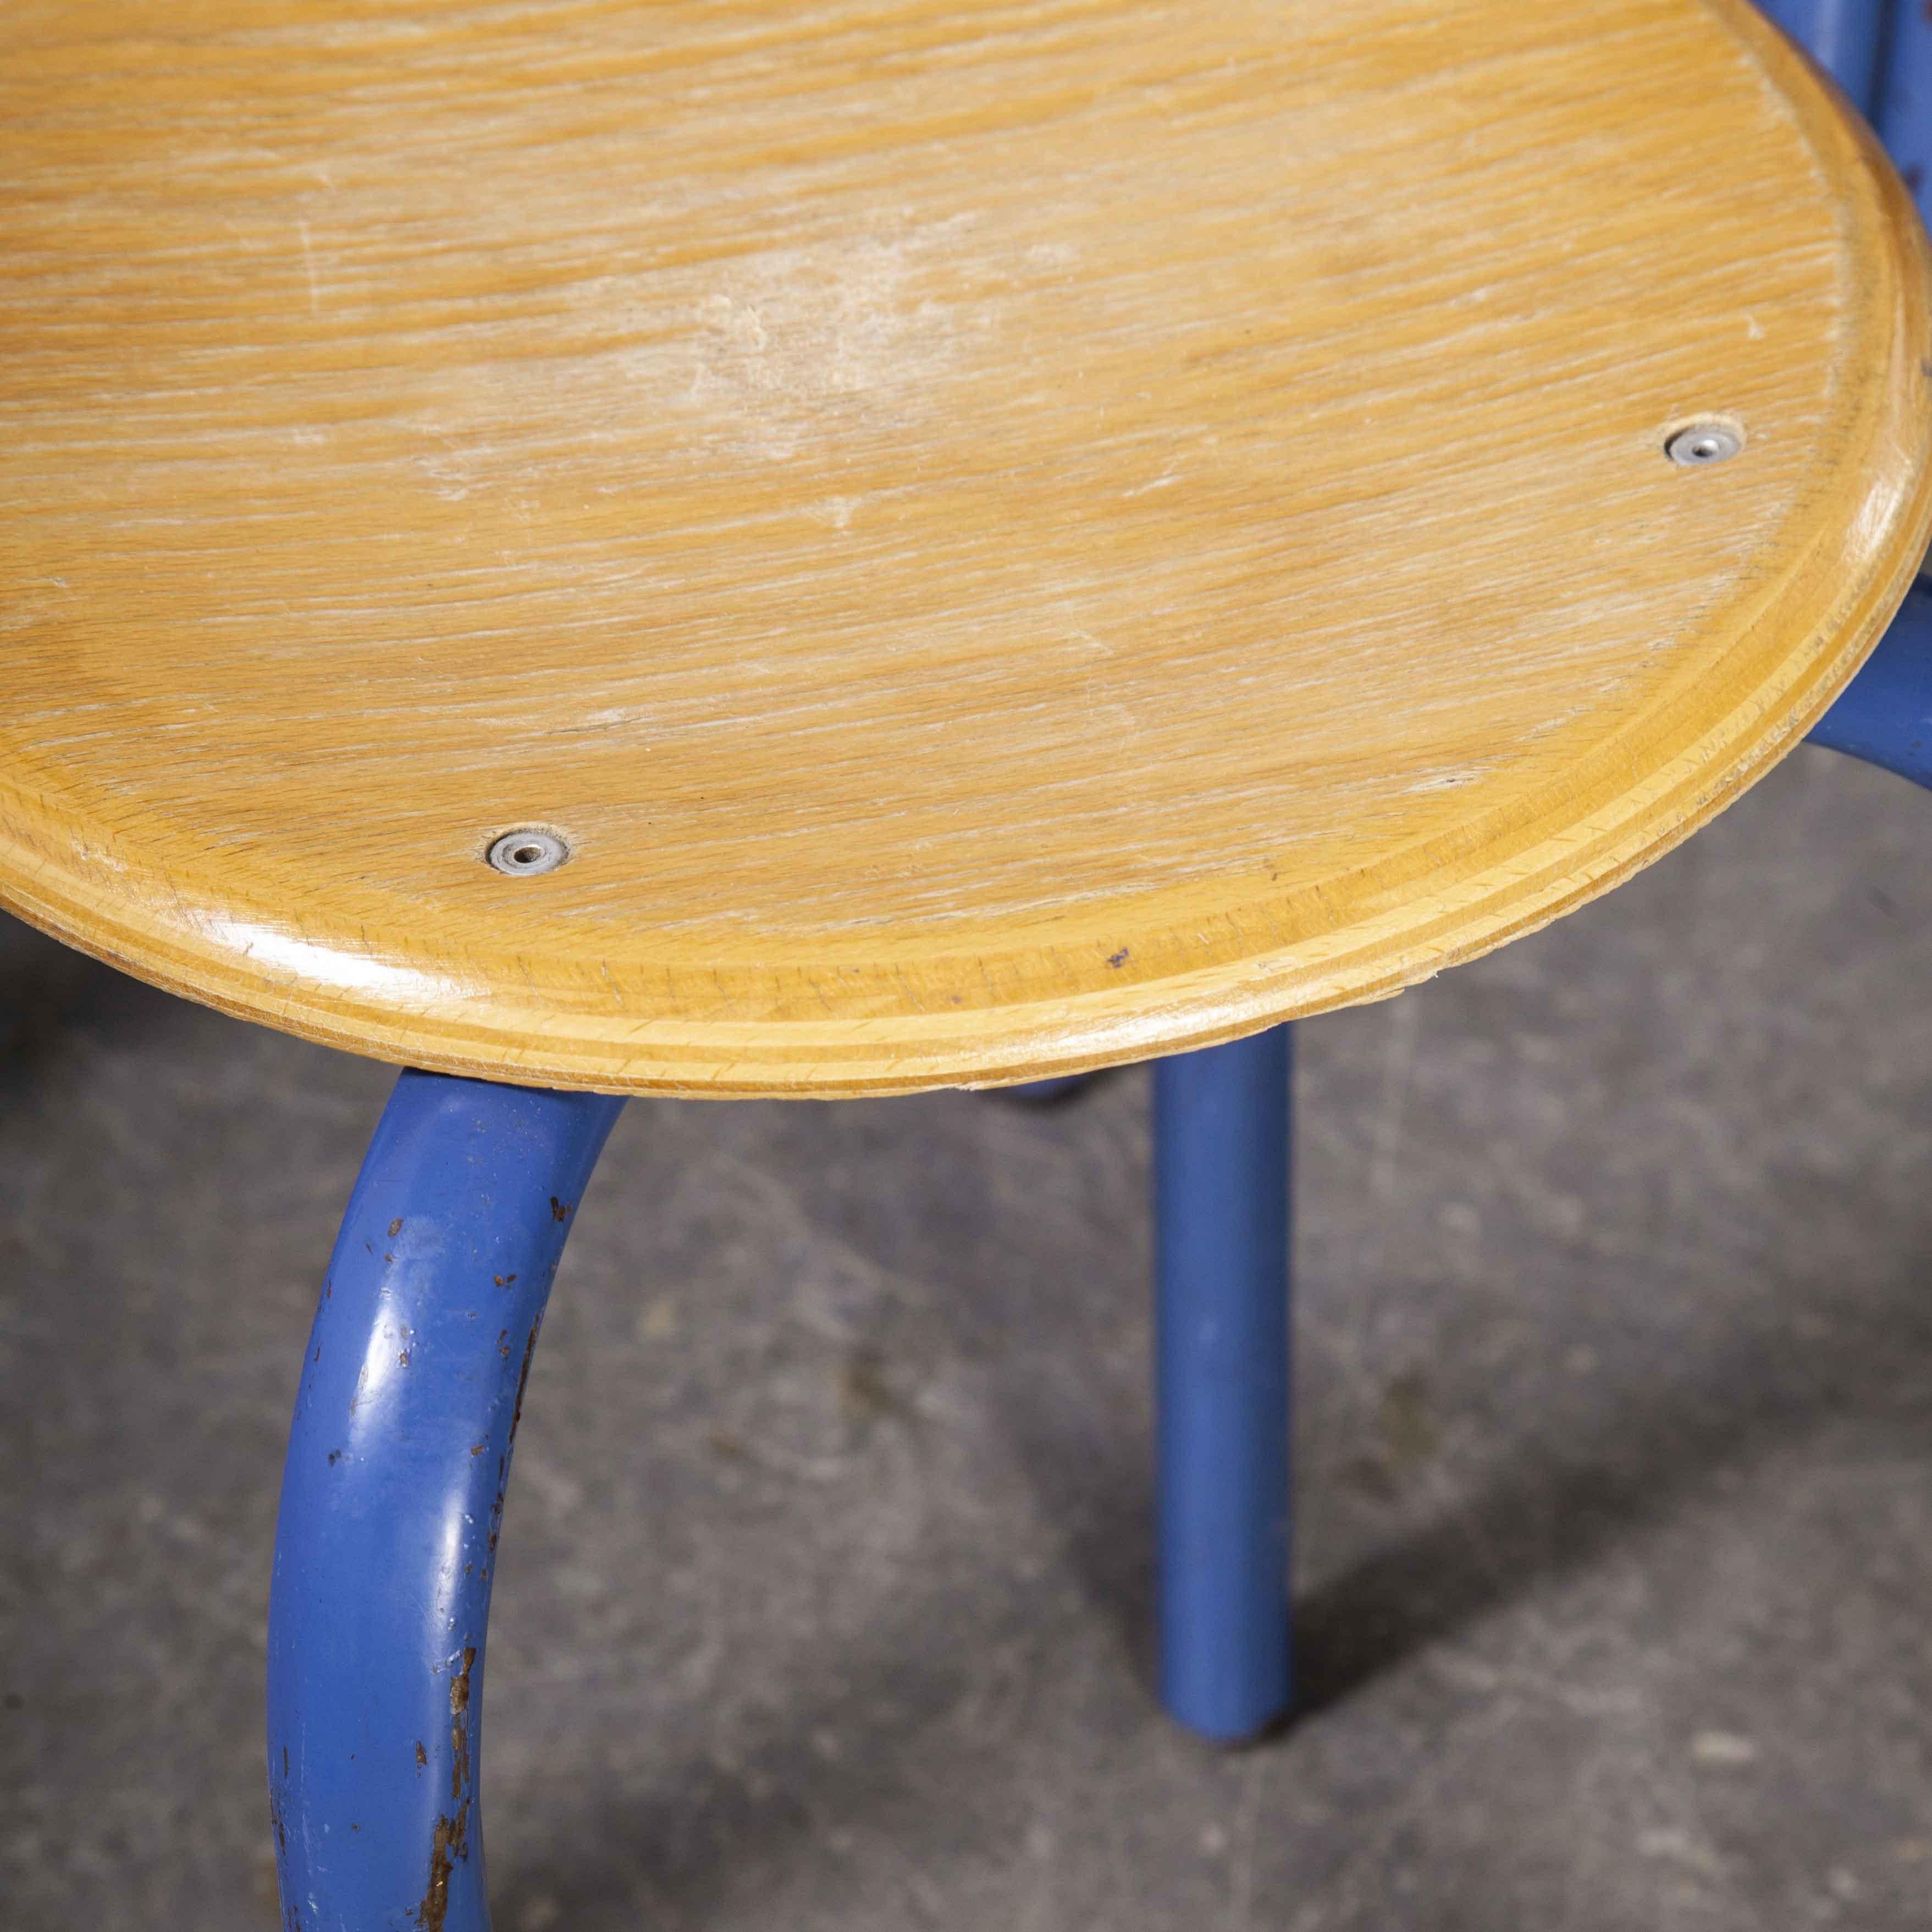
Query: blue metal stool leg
point(1844, 37)
point(393, 1496)
point(1905, 99)
point(1221, 1338)
point(1884, 715)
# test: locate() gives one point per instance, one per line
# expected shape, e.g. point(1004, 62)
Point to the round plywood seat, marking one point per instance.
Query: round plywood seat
point(987, 539)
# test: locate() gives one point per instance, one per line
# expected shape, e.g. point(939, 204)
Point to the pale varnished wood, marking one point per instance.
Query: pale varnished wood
point(1009, 537)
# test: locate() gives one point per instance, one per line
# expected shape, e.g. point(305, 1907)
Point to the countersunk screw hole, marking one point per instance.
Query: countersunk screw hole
point(1699, 445)
point(527, 851)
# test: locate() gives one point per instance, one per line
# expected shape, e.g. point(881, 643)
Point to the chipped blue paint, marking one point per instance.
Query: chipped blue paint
point(392, 1498)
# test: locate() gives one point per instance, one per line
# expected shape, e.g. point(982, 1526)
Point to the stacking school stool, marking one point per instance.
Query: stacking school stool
point(747, 549)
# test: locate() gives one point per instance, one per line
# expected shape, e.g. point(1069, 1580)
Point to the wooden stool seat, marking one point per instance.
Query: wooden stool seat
point(989, 539)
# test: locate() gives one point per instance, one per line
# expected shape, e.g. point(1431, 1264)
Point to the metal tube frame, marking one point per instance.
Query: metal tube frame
point(1884, 715)
point(1846, 38)
point(393, 1495)
point(1222, 1379)
point(1903, 94)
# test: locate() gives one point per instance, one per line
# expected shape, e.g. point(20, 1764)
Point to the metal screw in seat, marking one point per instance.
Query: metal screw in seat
point(529, 850)
point(1700, 444)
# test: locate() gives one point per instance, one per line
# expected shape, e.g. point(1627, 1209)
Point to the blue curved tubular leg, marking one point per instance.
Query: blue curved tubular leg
point(1884, 715)
point(1844, 37)
point(393, 1495)
point(1221, 1340)
point(1905, 99)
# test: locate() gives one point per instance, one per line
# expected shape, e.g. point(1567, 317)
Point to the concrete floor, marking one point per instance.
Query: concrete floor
point(824, 1596)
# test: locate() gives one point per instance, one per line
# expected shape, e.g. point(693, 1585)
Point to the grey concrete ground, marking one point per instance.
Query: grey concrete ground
point(824, 1600)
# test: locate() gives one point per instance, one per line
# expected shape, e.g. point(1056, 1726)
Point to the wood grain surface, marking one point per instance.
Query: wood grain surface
point(1005, 537)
